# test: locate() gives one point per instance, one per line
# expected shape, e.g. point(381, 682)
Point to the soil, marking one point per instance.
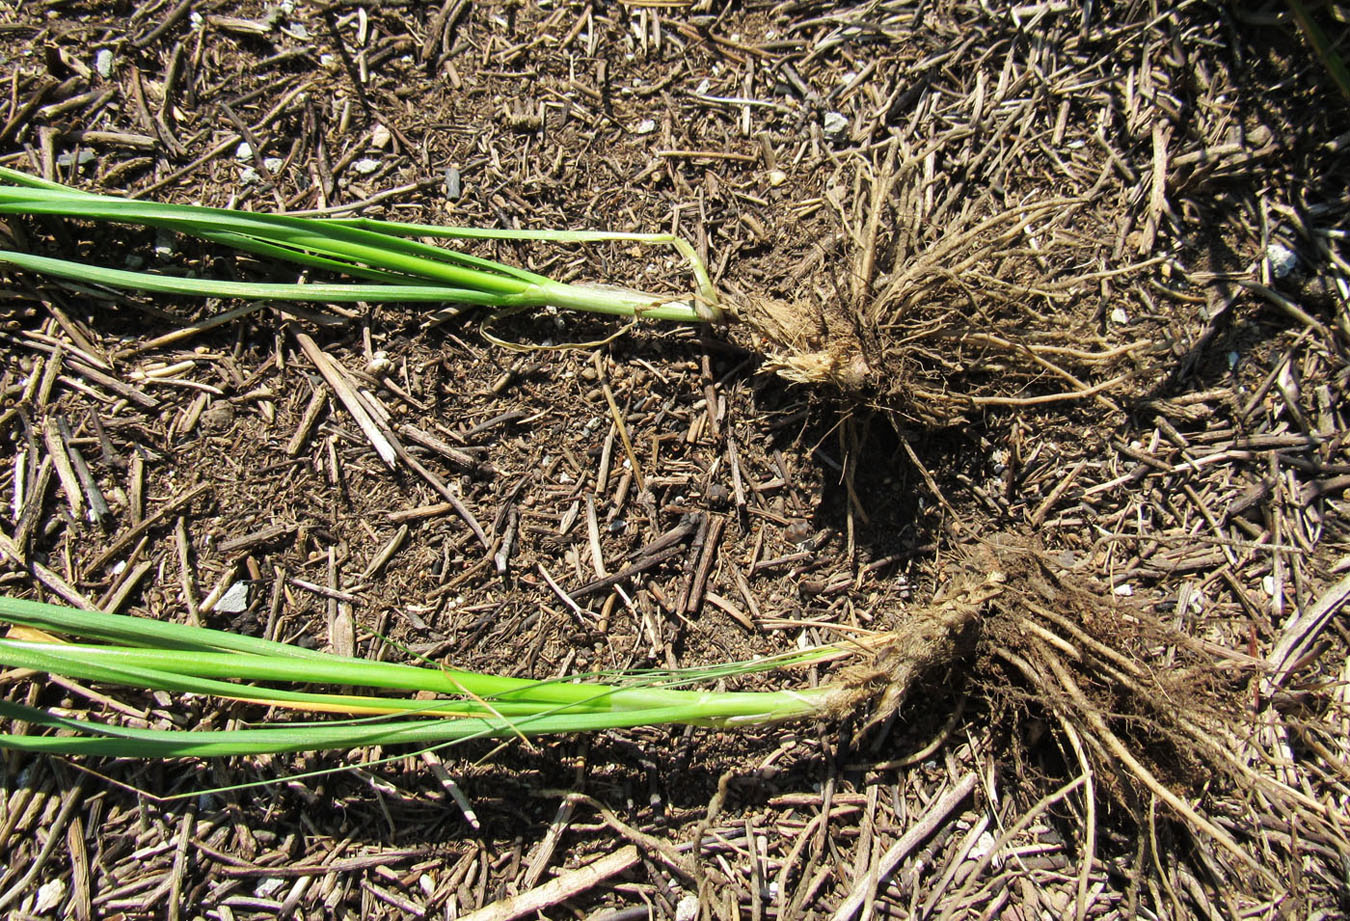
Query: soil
point(1042, 250)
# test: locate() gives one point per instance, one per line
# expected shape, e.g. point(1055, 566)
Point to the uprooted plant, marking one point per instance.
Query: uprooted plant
point(1143, 737)
point(998, 310)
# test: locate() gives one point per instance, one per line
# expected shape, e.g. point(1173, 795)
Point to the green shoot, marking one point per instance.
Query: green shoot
point(155, 655)
point(394, 267)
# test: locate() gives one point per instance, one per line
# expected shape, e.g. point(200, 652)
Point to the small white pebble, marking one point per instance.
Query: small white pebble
point(1118, 315)
point(243, 151)
point(687, 908)
point(235, 599)
point(983, 845)
point(103, 63)
point(248, 175)
point(66, 158)
point(1124, 590)
point(268, 886)
point(379, 363)
point(380, 137)
point(834, 124)
point(646, 126)
point(164, 243)
point(776, 178)
point(1268, 585)
point(273, 163)
point(49, 895)
point(366, 165)
point(1282, 260)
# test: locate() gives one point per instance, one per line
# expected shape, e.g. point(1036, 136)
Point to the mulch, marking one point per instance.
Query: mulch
point(1077, 281)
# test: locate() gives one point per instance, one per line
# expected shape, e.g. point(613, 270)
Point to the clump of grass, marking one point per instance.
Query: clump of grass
point(983, 317)
point(433, 705)
point(392, 266)
point(436, 704)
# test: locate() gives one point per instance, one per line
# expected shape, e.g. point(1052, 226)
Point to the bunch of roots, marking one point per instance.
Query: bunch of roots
point(1001, 303)
point(1153, 725)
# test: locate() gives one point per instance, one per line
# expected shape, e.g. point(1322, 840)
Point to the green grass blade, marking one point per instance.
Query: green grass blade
point(706, 289)
point(176, 657)
point(92, 738)
point(326, 238)
point(139, 631)
point(378, 251)
point(205, 653)
point(71, 663)
point(207, 287)
point(1322, 46)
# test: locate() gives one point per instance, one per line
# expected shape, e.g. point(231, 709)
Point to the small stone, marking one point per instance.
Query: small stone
point(235, 599)
point(49, 895)
point(1118, 315)
point(453, 186)
point(218, 417)
point(268, 886)
point(1282, 259)
point(273, 163)
point(1124, 590)
point(103, 63)
point(835, 124)
point(366, 165)
point(776, 178)
point(380, 137)
point(379, 364)
point(687, 908)
point(984, 844)
point(646, 126)
point(248, 176)
point(79, 159)
point(243, 151)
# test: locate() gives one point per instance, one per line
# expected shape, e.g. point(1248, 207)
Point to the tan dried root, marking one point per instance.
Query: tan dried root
point(805, 342)
point(1003, 307)
point(1173, 736)
point(929, 638)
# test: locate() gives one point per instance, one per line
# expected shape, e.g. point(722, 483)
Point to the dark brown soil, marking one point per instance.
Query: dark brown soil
point(1036, 252)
